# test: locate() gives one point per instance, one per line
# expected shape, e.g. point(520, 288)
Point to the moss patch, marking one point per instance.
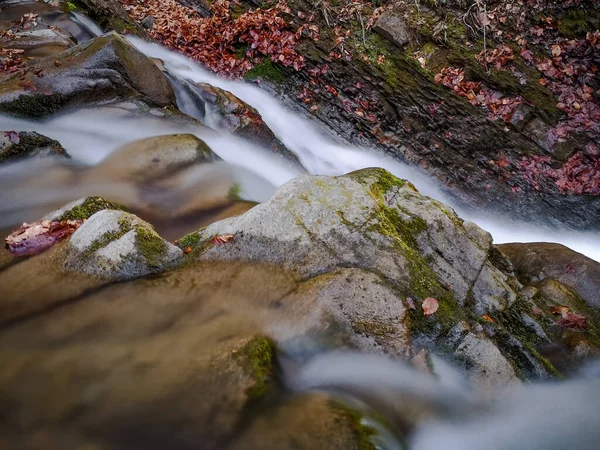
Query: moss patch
point(265, 70)
point(234, 192)
point(90, 206)
point(258, 356)
point(150, 245)
point(362, 432)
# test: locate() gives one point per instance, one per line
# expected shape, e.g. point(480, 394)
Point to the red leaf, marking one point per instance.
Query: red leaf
point(222, 239)
point(34, 238)
point(572, 320)
point(430, 306)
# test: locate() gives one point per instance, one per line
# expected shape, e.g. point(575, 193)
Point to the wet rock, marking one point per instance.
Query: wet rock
point(241, 119)
point(17, 145)
point(400, 245)
point(392, 26)
point(118, 246)
point(148, 22)
point(38, 43)
point(488, 367)
point(109, 15)
point(310, 422)
point(537, 261)
point(104, 69)
point(150, 159)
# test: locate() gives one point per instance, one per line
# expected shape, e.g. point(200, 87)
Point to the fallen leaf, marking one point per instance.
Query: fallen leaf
point(559, 310)
point(430, 306)
point(411, 303)
point(34, 238)
point(187, 250)
point(222, 239)
point(488, 318)
point(572, 320)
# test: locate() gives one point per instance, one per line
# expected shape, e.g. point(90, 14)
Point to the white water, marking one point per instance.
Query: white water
point(90, 135)
point(446, 415)
point(320, 155)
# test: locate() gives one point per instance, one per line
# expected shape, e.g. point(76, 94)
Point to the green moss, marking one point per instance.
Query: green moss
point(258, 355)
point(69, 7)
point(90, 205)
point(34, 105)
point(266, 70)
point(150, 245)
point(363, 433)
point(577, 22)
point(372, 329)
point(234, 192)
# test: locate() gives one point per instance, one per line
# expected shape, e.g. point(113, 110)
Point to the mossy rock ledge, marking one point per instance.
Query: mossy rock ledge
point(373, 225)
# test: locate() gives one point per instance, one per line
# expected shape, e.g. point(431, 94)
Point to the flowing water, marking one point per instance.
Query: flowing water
point(435, 414)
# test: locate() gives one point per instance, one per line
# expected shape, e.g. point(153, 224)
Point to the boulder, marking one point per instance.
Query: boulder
point(111, 245)
point(118, 246)
point(392, 26)
point(241, 119)
point(17, 145)
point(535, 262)
point(104, 69)
point(369, 235)
point(151, 159)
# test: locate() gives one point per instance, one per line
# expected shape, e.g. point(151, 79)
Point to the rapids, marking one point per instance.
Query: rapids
point(411, 410)
point(89, 135)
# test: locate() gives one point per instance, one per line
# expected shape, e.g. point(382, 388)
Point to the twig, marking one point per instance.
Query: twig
point(485, 35)
point(326, 18)
point(363, 28)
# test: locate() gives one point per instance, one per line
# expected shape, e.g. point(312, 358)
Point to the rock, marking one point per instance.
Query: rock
point(109, 15)
point(393, 238)
point(36, 43)
point(148, 22)
point(313, 422)
point(241, 119)
point(542, 134)
point(559, 263)
point(367, 312)
point(491, 368)
point(17, 145)
point(118, 246)
point(153, 158)
point(106, 68)
point(202, 7)
point(392, 26)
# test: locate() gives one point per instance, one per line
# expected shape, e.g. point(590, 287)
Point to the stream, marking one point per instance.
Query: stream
point(397, 400)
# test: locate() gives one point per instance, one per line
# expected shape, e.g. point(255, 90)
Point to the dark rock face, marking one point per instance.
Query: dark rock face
point(425, 124)
point(110, 15)
point(105, 69)
point(15, 146)
point(538, 261)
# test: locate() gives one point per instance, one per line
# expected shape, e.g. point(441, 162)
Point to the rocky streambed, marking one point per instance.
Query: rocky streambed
point(147, 305)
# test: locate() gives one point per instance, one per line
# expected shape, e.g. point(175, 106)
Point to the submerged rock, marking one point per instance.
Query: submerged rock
point(107, 68)
point(17, 145)
point(151, 159)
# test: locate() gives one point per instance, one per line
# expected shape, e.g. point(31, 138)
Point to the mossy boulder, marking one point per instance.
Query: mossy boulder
point(106, 68)
point(117, 245)
point(18, 145)
point(371, 226)
point(108, 14)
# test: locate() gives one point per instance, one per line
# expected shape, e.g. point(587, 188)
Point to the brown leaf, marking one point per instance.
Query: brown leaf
point(221, 239)
point(488, 318)
point(572, 320)
point(187, 250)
point(430, 306)
point(34, 238)
point(559, 310)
